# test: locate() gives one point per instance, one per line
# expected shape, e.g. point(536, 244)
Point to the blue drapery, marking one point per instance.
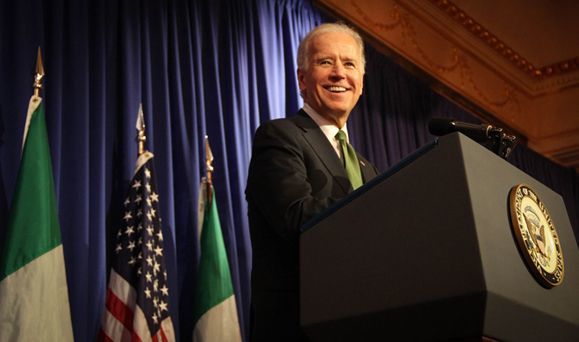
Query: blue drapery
point(391, 121)
point(199, 67)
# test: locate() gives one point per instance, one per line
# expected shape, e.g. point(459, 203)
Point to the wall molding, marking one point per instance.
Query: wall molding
point(474, 66)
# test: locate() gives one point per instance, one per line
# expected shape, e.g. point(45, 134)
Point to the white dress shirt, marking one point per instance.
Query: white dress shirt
point(328, 127)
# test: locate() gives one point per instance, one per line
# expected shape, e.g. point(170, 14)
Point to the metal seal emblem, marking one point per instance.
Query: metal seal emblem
point(536, 236)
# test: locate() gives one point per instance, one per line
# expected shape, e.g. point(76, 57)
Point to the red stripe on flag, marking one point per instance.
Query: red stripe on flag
point(160, 336)
point(163, 336)
point(121, 312)
point(135, 337)
point(103, 337)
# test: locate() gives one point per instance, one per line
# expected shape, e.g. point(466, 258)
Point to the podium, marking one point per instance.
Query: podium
point(428, 254)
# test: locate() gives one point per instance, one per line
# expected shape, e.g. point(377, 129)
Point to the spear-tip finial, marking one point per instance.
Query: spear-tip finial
point(208, 160)
point(140, 126)
point(39, 73)
point(209, 170)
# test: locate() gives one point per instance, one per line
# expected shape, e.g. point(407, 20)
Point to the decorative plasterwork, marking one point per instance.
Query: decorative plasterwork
point(472, 66)
point(440, 57)
point(494, 42)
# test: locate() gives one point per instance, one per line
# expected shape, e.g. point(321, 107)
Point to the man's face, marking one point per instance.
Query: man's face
point(332, 83)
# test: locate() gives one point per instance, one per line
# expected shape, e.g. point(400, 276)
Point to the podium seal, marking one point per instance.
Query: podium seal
point(536, 236)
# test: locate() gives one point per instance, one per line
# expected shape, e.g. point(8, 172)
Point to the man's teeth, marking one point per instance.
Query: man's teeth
point(336, 89)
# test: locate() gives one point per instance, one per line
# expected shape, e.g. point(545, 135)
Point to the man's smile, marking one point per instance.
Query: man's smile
point(336, 89)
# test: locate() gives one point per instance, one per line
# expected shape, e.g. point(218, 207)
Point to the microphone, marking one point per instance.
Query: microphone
point(477, 132)
point(488, 136)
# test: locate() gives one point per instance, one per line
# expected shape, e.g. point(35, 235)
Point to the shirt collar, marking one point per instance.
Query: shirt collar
point(328, 127)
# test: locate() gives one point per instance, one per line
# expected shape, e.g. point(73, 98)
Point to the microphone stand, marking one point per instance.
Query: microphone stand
point(500, 143)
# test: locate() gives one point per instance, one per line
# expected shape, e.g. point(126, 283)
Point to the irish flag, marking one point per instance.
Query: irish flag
point(215, 313)
point(33, 292)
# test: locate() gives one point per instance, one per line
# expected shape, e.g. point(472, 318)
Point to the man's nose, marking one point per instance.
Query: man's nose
point(339, 70)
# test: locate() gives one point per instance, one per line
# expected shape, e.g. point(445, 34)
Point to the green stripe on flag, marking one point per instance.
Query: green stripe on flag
point(214, 279)
point(33, 227)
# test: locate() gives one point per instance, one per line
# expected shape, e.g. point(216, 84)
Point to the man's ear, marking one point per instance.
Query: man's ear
point(301, 79)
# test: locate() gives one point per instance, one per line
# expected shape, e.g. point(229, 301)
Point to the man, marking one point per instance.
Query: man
point(297, 170)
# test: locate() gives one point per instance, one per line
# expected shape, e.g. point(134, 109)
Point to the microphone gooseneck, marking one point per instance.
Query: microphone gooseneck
point(487, 135)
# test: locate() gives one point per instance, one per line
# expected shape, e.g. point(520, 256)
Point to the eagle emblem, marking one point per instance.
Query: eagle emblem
point(536, 236)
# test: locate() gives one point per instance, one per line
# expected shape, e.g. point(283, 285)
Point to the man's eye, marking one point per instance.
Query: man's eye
point(325, 62)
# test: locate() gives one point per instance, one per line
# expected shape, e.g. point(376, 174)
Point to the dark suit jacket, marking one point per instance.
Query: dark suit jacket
point(294, 174)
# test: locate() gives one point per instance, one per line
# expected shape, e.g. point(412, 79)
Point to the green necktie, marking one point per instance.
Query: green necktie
point(350, 161)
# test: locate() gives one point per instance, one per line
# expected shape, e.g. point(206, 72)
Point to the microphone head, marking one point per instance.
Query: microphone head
point(441, 126)
point(490, 137)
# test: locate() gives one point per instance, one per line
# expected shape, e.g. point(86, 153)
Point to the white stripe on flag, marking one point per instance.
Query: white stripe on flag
point(122, 289)
point(140, 325)
point(219, 324)
point(115, 330)
point(127, 294)
point(167, 327)
point(34, 301)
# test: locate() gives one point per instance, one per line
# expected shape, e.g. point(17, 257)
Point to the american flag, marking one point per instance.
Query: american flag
point(137, 305)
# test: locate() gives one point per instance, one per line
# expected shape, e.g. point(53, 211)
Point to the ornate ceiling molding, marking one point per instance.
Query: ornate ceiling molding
point(494, 42)
point(473, 65)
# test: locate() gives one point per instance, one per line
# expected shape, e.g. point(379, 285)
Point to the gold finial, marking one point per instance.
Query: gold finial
point(39, 74)
point(141, 137)
point(208, 170)
point(208, 161)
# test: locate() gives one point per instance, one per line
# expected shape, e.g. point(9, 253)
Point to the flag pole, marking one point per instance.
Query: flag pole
point(32, 265)
point(208, 168)
point(38, 77)
point(215, 310)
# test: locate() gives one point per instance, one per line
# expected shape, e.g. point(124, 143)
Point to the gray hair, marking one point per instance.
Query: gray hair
point(304, 47)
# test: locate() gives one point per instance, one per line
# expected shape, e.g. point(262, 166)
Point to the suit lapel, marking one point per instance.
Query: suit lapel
point(367, 169)
point(323, 149)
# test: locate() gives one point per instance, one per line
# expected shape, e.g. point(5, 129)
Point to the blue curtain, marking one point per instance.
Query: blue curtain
point(210, 67)
point(391, 121)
